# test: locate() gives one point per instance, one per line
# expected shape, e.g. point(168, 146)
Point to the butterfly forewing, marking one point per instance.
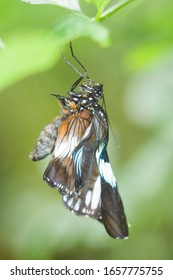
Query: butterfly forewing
point(61, 171)
point(86, 198)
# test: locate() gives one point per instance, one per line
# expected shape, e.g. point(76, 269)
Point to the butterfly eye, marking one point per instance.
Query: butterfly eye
point(98, 88)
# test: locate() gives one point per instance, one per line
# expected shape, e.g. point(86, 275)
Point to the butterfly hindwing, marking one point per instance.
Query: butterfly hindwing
point(86, 202)
point(113, 212)
point(111, 205)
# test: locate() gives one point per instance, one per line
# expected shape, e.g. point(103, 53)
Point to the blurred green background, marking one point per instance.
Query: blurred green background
point(136, 70)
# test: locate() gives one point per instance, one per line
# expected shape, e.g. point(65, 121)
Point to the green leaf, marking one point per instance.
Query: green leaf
point(34, 52)
point(68, 4)
point(25, 55)
point(74, 26)
point(100, 4)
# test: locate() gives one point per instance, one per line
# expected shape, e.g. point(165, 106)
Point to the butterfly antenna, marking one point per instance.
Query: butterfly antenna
point(77, 60)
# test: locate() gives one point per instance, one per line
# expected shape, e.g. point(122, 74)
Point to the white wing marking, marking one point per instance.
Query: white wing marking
point(107, 173)
point(65, 147)
point(96, 194)
point(69, 203)
point(88, 198)
point(77, 205)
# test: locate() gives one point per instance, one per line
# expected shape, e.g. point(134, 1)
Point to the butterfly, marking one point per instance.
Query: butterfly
point(80, 169)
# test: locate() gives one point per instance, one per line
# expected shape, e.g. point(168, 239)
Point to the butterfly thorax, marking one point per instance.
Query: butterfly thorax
point(86, 98)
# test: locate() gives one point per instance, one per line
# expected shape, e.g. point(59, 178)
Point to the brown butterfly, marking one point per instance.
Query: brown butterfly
point(80, 167)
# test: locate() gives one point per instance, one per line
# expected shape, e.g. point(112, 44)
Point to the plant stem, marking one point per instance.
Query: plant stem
point(115, 8)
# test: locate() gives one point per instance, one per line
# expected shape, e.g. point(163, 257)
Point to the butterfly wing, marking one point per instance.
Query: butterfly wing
point(60, 173)
point(86, 200)
point(82, 173)
point(112, 210)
